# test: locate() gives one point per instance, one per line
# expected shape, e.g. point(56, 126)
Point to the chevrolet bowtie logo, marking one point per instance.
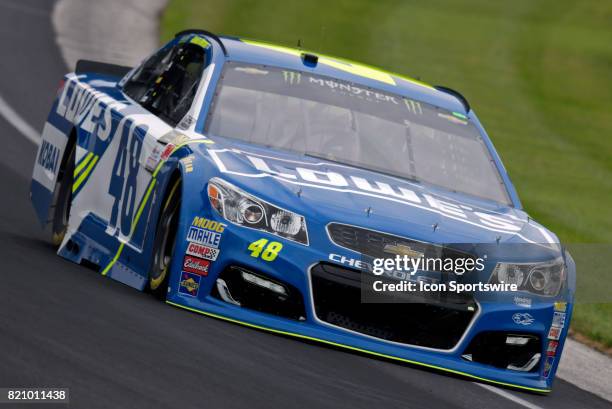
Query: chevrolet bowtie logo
point(402, 250)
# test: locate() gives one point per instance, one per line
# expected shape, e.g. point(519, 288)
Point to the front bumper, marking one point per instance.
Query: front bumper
point(293, 267)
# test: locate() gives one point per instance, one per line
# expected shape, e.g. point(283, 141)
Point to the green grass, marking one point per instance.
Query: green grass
point(537, 72)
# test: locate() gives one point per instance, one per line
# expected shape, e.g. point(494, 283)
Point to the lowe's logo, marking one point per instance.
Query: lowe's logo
point(339, 178)
point(48, 156)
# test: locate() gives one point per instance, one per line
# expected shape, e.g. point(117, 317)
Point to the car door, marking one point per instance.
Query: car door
point(153, 99)
point(164, 87)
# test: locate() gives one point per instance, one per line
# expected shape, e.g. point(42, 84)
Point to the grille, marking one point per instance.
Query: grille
point(337, 300)
point(372, 243)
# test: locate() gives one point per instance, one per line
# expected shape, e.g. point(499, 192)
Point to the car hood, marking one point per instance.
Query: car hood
point(325, 192)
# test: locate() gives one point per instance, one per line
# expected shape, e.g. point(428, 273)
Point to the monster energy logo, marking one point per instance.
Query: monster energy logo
point(414, 107)
point(292, 77)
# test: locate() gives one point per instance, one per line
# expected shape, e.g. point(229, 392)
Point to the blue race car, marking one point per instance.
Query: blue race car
point(260, 184)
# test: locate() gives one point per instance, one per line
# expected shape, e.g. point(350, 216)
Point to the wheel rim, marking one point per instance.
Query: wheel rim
point(164, 249)
point(163, 257)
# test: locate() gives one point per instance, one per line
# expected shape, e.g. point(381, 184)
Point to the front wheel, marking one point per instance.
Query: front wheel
point(165, 238)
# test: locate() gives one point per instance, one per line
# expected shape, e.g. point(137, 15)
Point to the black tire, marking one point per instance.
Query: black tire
point(165, 238)
point(62, 199)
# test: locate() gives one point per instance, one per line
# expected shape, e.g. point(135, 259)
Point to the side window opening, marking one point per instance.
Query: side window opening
point(166, 84)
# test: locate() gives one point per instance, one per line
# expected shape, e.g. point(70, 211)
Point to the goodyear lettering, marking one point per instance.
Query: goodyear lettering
point(207, 224)
point(48, 156)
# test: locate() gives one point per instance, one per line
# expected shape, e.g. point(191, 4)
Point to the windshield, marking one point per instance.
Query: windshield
point(354, 125)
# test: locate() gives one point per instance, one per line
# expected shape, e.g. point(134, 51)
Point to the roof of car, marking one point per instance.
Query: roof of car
point(257, 52)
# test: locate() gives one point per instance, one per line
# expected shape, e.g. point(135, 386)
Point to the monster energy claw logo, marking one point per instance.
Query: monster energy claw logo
point(292, 77)
point(414, 107)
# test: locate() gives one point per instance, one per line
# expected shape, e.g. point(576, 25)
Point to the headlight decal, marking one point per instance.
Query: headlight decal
point(545, 278)
point(244, 209)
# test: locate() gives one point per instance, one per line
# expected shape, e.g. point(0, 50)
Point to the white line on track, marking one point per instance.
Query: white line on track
point(13, 118)
point(509, 396)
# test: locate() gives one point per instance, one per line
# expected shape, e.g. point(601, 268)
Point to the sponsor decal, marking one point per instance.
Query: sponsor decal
point(292, 77)
point(174, 139)
point(414, 107)
point(189, 284)
point(208, 224)
point(153, 159)
point(188, 163)
point(352, 90)
point(186, 122)
point(204, 237)
point(161, 153)
point(196, 265)
point(558, 320)
point(560, 306)
point(323, 176)
point(93, 110)
point(554, 333)
point(523, 301)
point(197, 250)
point(523, 318)
point(167, 151)
point(551, 350)
point(548, 364)
point(48, 156)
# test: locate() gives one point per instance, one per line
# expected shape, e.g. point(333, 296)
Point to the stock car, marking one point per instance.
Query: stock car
point(253, 182)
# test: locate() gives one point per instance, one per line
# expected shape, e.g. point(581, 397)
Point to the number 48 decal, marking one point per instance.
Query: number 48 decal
point(124, 177)
point(268, 251)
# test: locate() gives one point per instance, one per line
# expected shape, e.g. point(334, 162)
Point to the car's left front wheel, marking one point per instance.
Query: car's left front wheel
point(165, 238)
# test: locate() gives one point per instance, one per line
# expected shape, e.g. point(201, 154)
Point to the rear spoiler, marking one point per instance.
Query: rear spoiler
point(96, 67)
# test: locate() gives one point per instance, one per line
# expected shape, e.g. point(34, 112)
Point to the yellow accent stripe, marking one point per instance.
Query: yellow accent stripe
point(133, 227)
point(351, 67)
point(85, 174)
point(83, 163)
point(276, 331)
point(200, 41)
point(176, 148)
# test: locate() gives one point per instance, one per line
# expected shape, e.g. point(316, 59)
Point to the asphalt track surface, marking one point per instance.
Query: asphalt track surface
point(62, 325)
